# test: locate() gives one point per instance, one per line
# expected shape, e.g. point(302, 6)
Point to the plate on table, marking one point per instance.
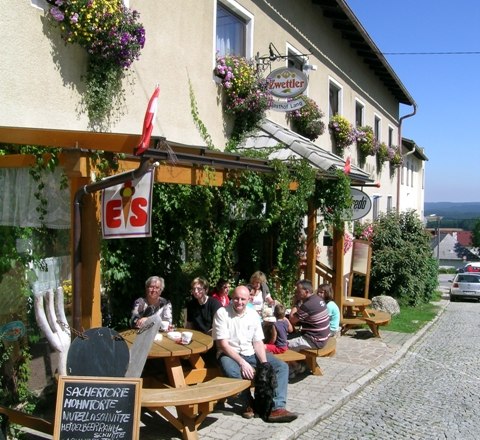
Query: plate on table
point(174, 336)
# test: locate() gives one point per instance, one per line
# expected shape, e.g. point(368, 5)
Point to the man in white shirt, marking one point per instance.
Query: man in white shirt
point(239, 337)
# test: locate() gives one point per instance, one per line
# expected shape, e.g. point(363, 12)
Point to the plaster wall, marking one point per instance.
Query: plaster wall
point(42, 82)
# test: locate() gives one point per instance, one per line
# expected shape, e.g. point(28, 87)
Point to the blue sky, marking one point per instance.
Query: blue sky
point(446, 88)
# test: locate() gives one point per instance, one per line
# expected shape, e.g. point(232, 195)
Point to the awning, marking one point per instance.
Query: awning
point(271, 134)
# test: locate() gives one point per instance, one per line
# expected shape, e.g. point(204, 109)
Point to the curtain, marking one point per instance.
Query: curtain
point(18, 202)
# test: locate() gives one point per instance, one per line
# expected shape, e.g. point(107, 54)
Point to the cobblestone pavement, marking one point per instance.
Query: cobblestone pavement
point(432, 393)
point(359, 360)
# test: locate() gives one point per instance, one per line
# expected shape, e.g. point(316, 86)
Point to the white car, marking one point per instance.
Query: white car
point(465, 285)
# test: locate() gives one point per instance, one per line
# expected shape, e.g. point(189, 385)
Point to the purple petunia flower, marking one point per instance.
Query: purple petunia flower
point(57, 14)
point(74, 18)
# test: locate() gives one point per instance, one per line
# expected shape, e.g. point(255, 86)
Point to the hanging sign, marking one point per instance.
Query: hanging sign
point(361, 204)
point(287, 82)
point(287, 106)
point(127, 209)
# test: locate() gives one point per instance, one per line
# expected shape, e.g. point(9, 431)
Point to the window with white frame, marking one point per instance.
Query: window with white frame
point(377, 123)
point(295, 58)
point(234, 29)
point(334, 98)
point(359, 114)
point(390, 136)
point(375, 208)
point(389, 203)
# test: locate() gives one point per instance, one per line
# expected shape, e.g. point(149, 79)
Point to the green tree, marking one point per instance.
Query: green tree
point(476, 234)
point(402, 262)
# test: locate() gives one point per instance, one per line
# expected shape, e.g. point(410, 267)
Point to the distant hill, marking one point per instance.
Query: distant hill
point(453, 210)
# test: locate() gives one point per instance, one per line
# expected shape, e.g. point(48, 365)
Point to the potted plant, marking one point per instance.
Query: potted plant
point(382, 154)
point(395, 157)
point(342, 132)
point(113, 39)
point(366, 142)
point(307, 119)
point(247, 95)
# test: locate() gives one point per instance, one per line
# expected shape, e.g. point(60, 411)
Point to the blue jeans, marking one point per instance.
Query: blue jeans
point(232, 369)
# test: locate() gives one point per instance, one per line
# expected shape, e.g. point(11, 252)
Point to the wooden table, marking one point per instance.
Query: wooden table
point(354, 312)
point(355, 306)
point(192, 396)
point(171, 352)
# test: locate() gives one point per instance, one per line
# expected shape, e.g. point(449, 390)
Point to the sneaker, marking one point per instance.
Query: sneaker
point(281, 415)
point(248, 413)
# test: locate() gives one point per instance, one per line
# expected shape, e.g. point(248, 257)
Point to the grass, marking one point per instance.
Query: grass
point(411, 319)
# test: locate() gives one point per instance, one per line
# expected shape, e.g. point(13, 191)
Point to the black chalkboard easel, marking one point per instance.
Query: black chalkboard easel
point(100, 408)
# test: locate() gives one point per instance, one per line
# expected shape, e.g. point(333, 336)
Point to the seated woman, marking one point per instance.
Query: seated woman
point(151, 304)
point(262, 293)
point(326, 292)
point(220, 293)
point(201, 308)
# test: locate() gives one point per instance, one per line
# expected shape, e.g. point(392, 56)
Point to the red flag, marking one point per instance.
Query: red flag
point(148, 122)
point(347, 167)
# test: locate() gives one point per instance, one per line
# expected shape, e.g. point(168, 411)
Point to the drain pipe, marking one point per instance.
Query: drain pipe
point(145, 166)
point(400, 146)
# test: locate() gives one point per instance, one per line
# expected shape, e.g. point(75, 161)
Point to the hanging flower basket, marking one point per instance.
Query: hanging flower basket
point(382, 154)
point(342, 132)
point(247, 94)
point(395, 157)
point(307, 119)
point(366, 141)
point(113, 39)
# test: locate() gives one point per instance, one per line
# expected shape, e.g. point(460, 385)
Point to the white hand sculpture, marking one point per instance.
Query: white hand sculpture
point(48, 317)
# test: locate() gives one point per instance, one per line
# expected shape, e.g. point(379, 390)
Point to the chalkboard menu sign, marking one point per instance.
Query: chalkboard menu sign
point(97, 408)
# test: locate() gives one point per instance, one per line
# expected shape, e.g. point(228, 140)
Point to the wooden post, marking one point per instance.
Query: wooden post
point(77, 169)
point(338, 267)
point(310, 271)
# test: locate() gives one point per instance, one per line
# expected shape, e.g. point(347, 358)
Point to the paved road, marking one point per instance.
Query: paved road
point(432, 393)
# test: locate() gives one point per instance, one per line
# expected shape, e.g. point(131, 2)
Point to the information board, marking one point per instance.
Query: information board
point(361, 255)
point(97, 408)
point(361, 262)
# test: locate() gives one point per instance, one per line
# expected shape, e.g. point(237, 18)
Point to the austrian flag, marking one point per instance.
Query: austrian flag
point(148, 122)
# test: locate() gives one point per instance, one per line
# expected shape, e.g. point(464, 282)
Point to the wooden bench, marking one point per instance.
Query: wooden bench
point(27, 420)
point(290, 356)
point(377, 318)
point(193, 403)
point(311, 355)
point(348, 323)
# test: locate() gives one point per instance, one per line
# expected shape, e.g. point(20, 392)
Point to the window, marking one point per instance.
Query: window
point(376, 128)
point(390, 136)
point(295, 59)
point(359, 113)
point(335, 97)
point(376, 203)
point(234, 28)
point(389, 203)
